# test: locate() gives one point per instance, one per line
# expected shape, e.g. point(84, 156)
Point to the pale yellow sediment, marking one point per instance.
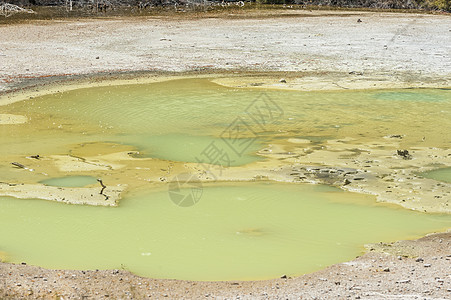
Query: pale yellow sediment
point(82, 196)
point(375, 171)
point(297, 81)
point(66, 163)
point(3, 256)
point(326, 82)
point(10, 119)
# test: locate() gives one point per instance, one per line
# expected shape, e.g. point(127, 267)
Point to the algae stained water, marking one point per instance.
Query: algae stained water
point(175, 119)
point(237, 231)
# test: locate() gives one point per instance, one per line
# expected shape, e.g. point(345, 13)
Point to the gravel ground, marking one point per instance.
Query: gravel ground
point(412, 49)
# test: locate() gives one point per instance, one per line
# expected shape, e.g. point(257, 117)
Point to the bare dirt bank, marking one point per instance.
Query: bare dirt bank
point(319, 49)
point(311, 50)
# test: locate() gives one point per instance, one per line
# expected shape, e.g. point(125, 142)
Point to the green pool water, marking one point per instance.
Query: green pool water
point(244, 231)
point(237, 231)
point(70, 181)
point(412, 95)
point(443, 174)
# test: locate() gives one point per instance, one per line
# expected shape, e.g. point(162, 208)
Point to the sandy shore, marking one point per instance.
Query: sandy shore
point(311, 50)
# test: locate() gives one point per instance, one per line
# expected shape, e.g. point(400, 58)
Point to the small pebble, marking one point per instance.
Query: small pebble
point(404, 281)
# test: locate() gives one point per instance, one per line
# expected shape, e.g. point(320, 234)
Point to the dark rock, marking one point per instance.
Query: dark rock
point(404, 154)
point(395, 136)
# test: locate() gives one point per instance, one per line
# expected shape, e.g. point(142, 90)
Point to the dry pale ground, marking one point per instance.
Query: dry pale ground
point(315, 50)
point(385, 47)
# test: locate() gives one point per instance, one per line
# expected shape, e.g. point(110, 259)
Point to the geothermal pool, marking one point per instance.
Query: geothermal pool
point(143, 135)
point(177, 119)
point(236, 232)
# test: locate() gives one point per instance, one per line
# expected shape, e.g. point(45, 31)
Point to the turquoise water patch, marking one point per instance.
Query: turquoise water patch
point(409, 96)
point(191, 148)
point(70, 181)
point(439, 174)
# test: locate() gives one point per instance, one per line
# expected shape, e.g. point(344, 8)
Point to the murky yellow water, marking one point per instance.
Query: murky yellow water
point(191, 113)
